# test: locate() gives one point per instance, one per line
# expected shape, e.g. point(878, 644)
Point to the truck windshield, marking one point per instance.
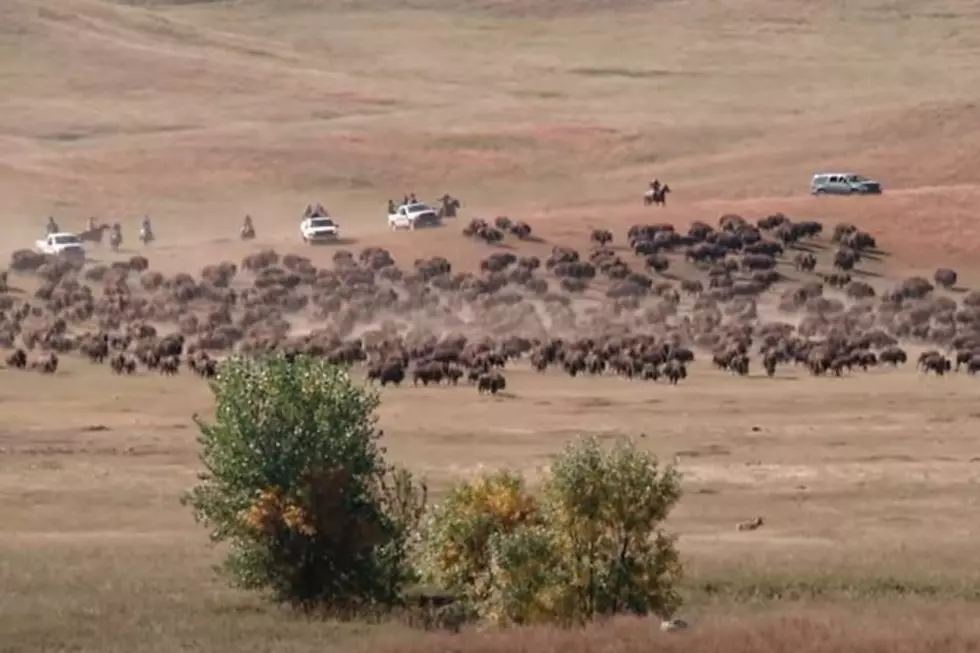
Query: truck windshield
point(66, 240)
point(321, 222)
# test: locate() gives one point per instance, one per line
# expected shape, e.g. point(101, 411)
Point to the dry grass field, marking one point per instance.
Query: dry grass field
point(557, 113)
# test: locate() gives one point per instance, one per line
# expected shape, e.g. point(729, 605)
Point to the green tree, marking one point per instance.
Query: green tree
point(529, 577)
point(296, 482)
point(592, 545)
point(606, 508)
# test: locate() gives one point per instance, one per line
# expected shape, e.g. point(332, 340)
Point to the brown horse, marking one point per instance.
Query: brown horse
point(93, 235)
point(247, 232)
point(657, 197)
point(449, 205)
point(116, 238)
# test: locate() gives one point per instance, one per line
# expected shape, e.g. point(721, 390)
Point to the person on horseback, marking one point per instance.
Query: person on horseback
point(248, 229)
point(655, 186)
point(115, 238)
point(450, 205)
point(52, 226)
point(315, 211)
point(146, 230)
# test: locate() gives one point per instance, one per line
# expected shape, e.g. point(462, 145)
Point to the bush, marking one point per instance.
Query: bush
point(456, 550)
point(606, 509)
point(592, 546)
point(295, 481)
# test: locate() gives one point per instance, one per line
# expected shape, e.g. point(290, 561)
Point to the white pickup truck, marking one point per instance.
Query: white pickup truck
point(319, 229)
point(413, 216)
point(61, 244)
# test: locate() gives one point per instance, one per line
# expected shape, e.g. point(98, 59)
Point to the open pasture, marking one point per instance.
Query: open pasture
point(864, 479)
point(557, 115)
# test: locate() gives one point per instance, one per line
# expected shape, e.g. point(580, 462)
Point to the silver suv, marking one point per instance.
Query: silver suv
point(843, 183)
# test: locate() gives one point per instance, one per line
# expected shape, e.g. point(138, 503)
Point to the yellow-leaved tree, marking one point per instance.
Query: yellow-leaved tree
point(593, 544)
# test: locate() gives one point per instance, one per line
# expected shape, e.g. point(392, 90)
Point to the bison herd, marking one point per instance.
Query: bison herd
point(739, 291)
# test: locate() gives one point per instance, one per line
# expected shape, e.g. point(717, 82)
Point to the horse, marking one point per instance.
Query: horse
point(115, 238)
point(315, 211)
point(93, 235)
point(449, 205)
point(658, 197)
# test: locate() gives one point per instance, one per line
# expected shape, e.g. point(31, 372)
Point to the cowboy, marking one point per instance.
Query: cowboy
point(391, 207)
point(146, 228)
point(247, 223)
point(655, 186)
point(449, 205)
point(52, 225)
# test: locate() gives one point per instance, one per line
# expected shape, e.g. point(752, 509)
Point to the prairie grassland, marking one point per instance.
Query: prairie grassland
point(867, 495)
point(555, 112)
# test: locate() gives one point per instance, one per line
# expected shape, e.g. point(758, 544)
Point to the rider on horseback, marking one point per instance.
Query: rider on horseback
point(448, 205)
point(115, 238)
point(52, 226)
point(146, 230)
point(655, 186)
point(315, 211)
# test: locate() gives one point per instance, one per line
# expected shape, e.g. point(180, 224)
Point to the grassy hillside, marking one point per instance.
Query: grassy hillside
point(509, 103)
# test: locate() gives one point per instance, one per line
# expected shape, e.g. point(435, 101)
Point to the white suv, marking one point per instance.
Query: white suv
point(843, 183)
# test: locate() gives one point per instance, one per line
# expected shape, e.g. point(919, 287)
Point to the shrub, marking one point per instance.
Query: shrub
point(606, 509)
point(295, 481)
point(455, 553)
point(592, 546)
point(528, 580)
